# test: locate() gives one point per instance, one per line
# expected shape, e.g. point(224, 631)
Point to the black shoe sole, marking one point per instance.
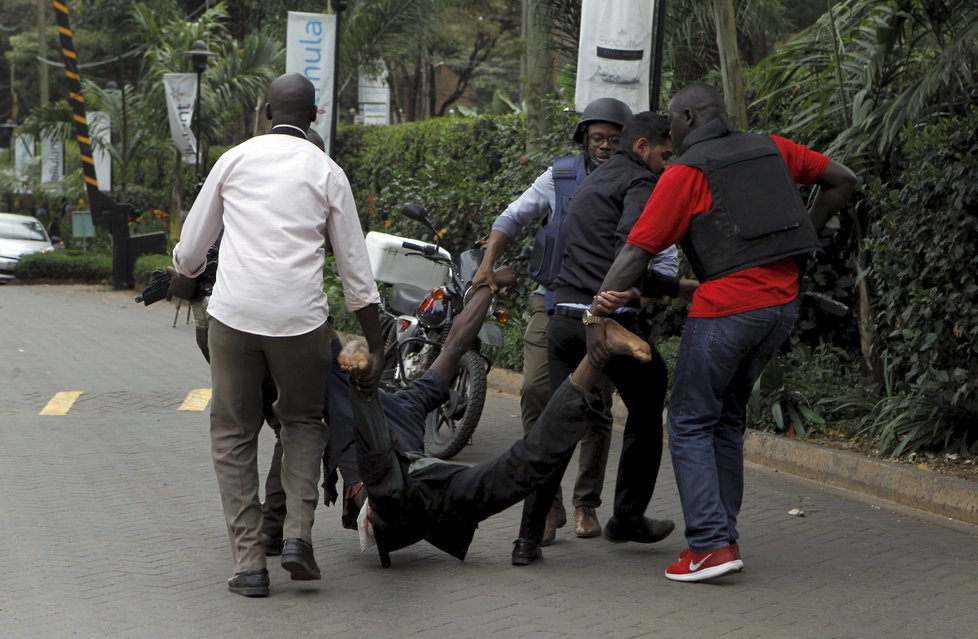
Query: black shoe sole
point(250, 591)
point(526, 560)
point(300, 569)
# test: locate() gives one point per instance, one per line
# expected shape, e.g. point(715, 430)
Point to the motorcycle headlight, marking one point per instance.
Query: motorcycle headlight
point(433, 310)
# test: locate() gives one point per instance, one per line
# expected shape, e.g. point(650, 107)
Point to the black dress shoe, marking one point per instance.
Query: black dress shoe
point(272, 544)
point(298, 559)
point(525, 551)
point(250, 583)
point(642, 530)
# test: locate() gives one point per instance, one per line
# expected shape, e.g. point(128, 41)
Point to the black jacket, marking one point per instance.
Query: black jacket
point(599, 218)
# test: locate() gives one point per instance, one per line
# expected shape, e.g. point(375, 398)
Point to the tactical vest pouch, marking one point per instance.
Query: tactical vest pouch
point(757, 215)
point(548, 244)
point(755, 212)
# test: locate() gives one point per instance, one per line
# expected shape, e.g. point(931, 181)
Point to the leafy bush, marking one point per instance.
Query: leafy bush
point(927, 291)
point(809, 390)
point(463, 170)
point(73, 265)
point(142, 271)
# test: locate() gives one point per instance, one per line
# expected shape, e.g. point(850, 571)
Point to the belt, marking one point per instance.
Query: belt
point(567, 311)
point(578, 313)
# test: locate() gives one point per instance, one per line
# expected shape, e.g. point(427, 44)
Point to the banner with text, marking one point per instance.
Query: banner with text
point(374, 96)
point(24, 152)
point(310, 43)
point(614, 52)
point(181, 95)
point(52, 158)
point(100, 128)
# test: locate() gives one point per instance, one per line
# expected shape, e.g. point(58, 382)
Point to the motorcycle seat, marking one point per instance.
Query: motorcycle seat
point(405, 299)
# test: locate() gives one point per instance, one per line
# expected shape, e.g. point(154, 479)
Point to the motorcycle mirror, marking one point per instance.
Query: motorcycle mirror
point(418, 213)
point(415, 212)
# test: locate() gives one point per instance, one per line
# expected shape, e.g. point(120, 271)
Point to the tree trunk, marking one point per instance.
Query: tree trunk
point(176, 202)
point(865, 319)
point(733, 82)
point(539, 72)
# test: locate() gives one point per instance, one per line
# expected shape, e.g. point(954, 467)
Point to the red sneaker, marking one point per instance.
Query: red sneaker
point(699, 566)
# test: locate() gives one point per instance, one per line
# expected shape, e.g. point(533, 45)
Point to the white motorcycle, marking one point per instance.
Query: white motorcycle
point(422, 292)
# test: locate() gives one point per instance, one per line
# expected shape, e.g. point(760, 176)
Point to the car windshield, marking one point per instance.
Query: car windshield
point(26, 230)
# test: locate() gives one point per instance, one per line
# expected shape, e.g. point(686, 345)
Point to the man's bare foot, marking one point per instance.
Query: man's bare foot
point(354, 357)
point(620, 341)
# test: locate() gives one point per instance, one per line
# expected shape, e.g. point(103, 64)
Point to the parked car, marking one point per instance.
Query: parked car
point(20, 235)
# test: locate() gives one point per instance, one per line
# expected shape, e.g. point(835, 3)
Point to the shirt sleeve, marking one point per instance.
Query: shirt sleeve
point(535, 203)
point(681, 192)
point(666, 262)
point(349, 246)
point(806, 166)
point(202, 226)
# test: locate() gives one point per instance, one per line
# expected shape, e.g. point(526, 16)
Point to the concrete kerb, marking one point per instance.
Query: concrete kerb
point(905, 485)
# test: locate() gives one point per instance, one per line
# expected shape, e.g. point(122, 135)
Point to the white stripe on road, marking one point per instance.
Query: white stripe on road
point(61, 403)
point(197, 399)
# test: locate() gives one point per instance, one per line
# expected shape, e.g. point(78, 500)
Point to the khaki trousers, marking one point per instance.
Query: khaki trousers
point(534, 395)
point(299, 366)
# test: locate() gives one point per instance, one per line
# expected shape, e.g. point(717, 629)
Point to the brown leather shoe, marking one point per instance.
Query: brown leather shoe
point(586, 523)
point(556, 518)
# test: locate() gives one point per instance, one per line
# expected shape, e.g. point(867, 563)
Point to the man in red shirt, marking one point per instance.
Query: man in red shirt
point(732, 205)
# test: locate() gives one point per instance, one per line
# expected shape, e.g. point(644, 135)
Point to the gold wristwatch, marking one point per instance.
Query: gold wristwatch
point(590, 318)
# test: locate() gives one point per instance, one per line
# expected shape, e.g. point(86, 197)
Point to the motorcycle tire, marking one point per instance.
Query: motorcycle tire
point(449, 427)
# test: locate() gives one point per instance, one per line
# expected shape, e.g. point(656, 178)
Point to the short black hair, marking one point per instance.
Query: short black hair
point(702, 98)
point(647, 124)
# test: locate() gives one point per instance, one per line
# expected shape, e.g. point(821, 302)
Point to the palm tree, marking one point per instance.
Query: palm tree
point(863, 72)
point(860, 77)
point(231, 87)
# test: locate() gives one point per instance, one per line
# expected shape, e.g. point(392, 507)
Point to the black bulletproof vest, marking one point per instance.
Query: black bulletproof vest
point(757, 216)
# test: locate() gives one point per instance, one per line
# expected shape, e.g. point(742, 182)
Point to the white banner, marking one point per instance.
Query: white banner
point(374, 97)
point(181, 94)
point(614, 52)
point(23, 153)
point(310, 44)
point(52, 158)
point(100, 130)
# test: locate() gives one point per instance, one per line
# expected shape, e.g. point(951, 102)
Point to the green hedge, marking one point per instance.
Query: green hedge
point(924, 251)
point(142, 271)
point(923, 271)
point(464, 171)
point(92, 267)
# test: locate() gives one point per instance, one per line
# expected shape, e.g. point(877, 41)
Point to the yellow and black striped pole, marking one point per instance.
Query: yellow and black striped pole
point(105, 210)
point(77, 101)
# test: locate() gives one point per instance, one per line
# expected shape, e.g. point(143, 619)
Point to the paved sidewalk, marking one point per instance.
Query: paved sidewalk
point(112, 525)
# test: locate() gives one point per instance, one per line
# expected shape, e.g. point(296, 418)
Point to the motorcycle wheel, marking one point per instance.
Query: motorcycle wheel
point(449, 427)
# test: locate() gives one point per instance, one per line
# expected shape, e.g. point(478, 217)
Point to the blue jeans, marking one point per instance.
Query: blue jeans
point(719, 360)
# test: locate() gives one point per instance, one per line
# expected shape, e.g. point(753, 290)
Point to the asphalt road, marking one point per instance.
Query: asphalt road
point(111, 524)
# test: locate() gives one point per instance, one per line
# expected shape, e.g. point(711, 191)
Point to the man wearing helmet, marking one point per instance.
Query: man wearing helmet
point(598, 132)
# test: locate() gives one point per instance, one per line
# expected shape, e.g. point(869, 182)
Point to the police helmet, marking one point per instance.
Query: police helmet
point(602, 110)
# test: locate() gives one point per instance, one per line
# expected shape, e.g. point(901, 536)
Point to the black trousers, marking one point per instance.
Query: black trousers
point(467, 495)
point(642, 386)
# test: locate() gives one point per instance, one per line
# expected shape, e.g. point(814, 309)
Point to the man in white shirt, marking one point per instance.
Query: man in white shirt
point(277, 197)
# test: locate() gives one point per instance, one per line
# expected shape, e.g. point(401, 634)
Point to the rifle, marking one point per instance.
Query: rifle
point(160, 283)
point(156, 289)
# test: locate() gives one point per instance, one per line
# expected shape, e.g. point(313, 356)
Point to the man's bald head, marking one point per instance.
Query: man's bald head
point(693, 106)
point(291, 100)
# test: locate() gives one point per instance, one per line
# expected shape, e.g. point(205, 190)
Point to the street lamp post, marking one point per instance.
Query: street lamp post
point(198, 59)
point(338, 6)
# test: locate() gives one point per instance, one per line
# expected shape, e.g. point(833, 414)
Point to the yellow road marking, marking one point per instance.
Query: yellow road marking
point(197, 399)
point(61, 403)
